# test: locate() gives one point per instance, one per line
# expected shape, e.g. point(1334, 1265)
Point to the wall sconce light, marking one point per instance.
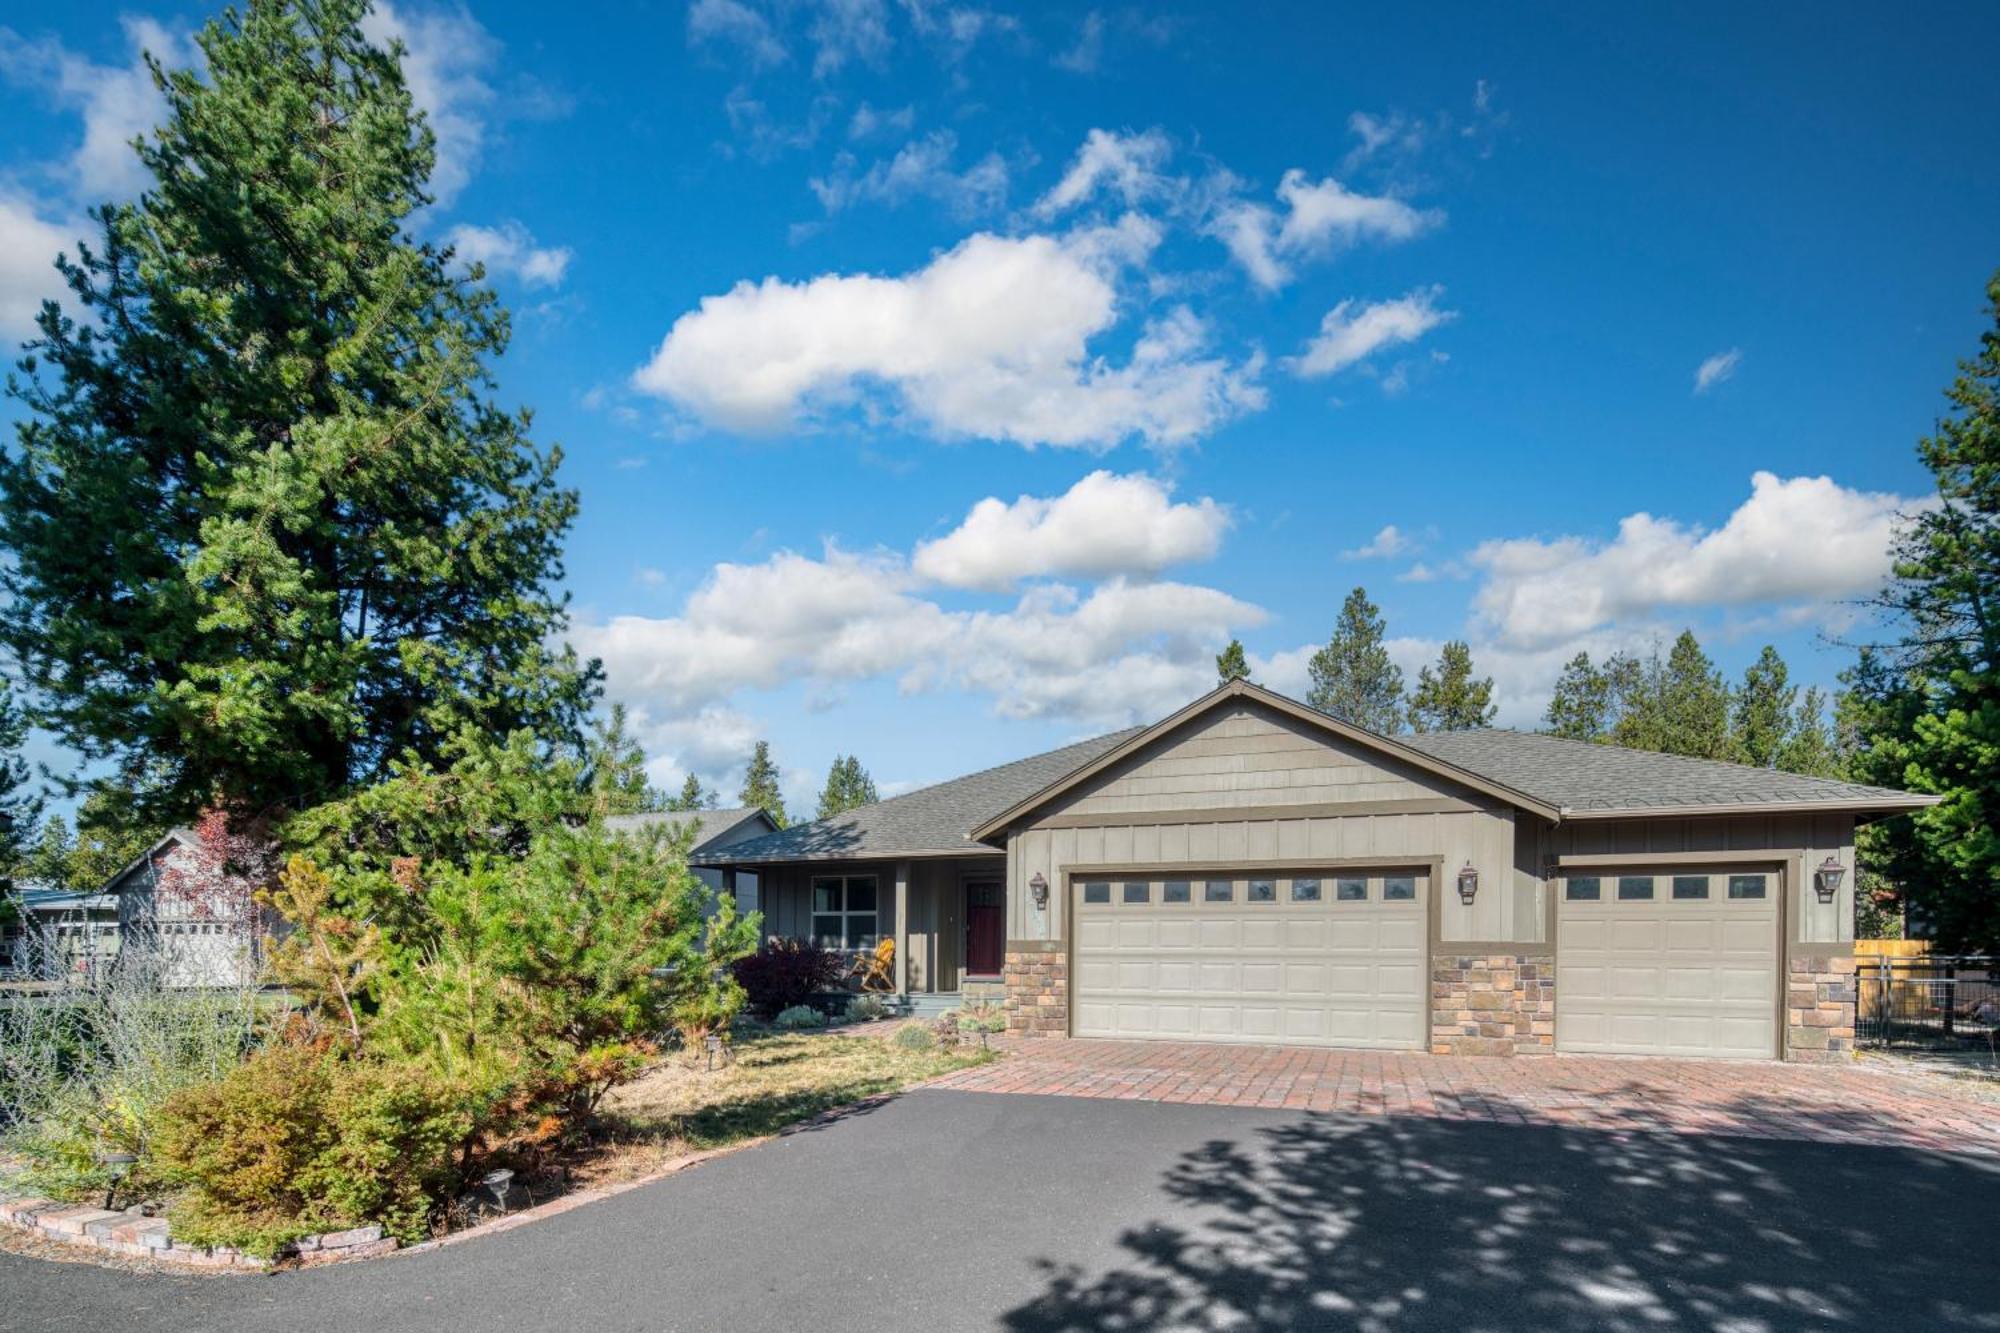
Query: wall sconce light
point(1039, 888)
point(1826, 879)
point(1468, 884)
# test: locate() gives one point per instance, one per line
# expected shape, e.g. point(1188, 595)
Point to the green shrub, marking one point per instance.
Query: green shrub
point(865, 1008)
point(915, 1036)
point(299, 1140)
point(799, 1016)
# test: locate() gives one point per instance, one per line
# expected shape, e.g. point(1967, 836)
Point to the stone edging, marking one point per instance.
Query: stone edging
point(133, 1234)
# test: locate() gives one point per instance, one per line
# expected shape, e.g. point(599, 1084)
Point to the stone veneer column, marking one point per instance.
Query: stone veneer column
point(1819, 1010)
point(1493, 1004)
point(1037, 980)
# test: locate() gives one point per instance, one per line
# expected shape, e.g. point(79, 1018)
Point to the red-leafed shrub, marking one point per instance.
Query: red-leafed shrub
point(787, 972)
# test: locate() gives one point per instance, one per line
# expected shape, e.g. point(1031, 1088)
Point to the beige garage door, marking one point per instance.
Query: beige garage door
point(1332, 959)
point(1658, 961)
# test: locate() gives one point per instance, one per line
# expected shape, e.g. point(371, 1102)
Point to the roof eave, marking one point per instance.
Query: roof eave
point(1881, 805)
point(724, 861)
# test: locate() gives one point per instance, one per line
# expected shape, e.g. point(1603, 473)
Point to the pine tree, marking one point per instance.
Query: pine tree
point(1764, 713)
point(268, 531)
point(20, 807)
point(847, 786)
point(1931, 719)
point(760, 785)
point(1352, 676)
point(615, 769)
point(692, 796)
point(1232, 663)
point(1811, 747)
point(1581, 707)
point(1450, 699)
point(1679, 706)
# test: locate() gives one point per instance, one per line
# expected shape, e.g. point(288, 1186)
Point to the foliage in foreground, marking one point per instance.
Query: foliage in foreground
point(87, 1065)
point(300, 1139)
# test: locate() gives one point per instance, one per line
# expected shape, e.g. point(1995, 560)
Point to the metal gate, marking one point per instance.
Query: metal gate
point(1936, 1001)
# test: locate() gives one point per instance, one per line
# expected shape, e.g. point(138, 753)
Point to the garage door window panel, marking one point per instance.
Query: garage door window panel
point(1219, 891)
point(1583, 889)
point(1176, 891)
point(1689, 888)
point(1138, 891)
point(1305, 890)
point(1743, 888)
point(1096, 894)
point(1635, 888)
point(1399, 889)
point(1263, 891)
point(1350, 890)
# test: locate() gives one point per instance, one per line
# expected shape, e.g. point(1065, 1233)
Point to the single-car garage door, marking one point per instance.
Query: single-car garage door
point(1321, 959)
point(1668, 961)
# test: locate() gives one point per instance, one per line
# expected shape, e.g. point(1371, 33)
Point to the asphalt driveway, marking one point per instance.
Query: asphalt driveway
point(961, 1210)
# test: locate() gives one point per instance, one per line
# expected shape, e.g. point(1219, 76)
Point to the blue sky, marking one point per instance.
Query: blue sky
point(946, 383)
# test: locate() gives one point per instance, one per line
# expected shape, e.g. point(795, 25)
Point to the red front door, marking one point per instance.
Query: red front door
point(985, 928)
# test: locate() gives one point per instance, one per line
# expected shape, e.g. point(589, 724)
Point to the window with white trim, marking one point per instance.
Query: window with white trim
point(843, 915)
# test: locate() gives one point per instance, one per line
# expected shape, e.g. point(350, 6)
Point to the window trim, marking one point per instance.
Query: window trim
point(1145, 888)
point(1412, 896)
point(1299, 882)
point(1573, 883)
point(1674, 893)
point(1650, 895)
point(1341, 885)
point(1250, 889)
point(1209, 887)
point(846, 914)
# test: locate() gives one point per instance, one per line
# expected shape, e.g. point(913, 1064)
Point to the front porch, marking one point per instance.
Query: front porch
point(947, 915)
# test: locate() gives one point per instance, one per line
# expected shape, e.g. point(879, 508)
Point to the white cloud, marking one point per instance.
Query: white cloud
point(1083, 55)
point(1803, 540)
point(868, 121)
point(1393, 134)
point(1351, 333)
point(1318, 218)
point(728, 22)
point(118, 103)
point(510, 249)
point(849, 30)
point(1716, 369)
point(1120, 651)
point(1128, 164)
point(1391, 541)
point(990, 339)
point(29, 244)
point(446, 60)
point(921, 167)
point(1104, 525)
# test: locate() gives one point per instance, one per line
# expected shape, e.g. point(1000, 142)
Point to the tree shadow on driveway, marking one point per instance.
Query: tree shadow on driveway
point(1346, 1222)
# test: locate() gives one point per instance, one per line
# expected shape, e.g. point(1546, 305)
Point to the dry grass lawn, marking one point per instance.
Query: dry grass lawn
point(775, 1081)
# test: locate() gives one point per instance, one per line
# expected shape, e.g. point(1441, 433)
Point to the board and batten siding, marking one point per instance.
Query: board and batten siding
point(1799, 842)
point(1288, 780)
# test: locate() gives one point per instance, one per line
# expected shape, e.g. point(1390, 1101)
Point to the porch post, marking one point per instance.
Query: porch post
point(902, 927)
point(729, 883)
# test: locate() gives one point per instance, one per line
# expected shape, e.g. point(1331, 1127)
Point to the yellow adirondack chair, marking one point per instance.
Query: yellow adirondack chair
point(877, 970)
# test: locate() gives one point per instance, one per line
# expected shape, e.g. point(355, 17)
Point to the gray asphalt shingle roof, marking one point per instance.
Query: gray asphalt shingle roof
point(1575, 777)
point(931, 820)
point(1581, 775)
point(714, 823)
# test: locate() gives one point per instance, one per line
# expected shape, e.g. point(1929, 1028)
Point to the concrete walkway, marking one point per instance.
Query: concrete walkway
point(1866, 1102)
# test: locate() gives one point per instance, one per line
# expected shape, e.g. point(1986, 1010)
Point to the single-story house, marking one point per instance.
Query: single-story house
point(49, 930)
point(1253, 870)
point(714, 831)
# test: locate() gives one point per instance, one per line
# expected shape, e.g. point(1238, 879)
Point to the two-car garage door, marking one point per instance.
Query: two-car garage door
point(1668, 961)
point(1315, 959)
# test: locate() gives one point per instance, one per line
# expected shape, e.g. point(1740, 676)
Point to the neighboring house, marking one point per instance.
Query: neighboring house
point(716, 829)
point(179, 901)
point(1253, 870)
point(57, 932)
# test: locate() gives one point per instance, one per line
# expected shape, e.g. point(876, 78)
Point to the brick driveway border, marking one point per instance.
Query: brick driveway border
point(1866, 1102)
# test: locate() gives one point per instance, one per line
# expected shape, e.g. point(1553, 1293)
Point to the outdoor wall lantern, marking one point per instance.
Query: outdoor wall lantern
point(1468, 884)
point(1826, 879)
point(1039, 887)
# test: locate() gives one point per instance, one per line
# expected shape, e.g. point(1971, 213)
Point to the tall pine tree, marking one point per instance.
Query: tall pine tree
point(1764, 711)
point(760, 785)
point(1929, 718)
point(267, 528)
point(1676, 706)
point(615, 769)
point(20, 805)
point(847, 786)
point(1232, 663)
point(1582, 707)
point(1451, 698)
point(1352, 676)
